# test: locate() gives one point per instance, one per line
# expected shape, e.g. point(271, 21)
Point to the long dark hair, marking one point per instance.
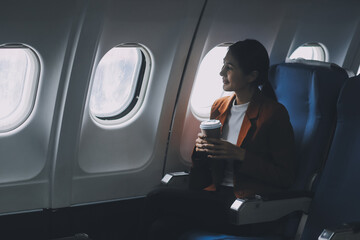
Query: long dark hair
point(251, 55)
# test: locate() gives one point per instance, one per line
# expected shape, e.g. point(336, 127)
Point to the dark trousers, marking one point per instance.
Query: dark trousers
point(169, 212)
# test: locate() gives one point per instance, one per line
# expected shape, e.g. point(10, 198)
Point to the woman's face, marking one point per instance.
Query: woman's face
point(234, 79)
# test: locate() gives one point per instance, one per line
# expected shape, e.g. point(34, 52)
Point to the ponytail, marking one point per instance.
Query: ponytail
point(268, 91)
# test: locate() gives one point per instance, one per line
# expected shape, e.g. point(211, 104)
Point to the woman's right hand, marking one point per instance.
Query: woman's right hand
point(200, 143)
point(218, 148)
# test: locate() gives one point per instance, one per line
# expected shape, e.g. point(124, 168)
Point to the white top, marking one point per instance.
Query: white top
point(230, 133)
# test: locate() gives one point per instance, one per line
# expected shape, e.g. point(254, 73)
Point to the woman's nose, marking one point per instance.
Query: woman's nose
point(222, 72)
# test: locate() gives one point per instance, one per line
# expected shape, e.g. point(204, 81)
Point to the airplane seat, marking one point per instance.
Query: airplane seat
point(309, 90)
point(337, 197)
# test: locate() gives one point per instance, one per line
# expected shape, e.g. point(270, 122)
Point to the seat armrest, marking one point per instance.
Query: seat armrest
point(284, 195)
point(348, 231)
point(268, 208)
point(175, 178)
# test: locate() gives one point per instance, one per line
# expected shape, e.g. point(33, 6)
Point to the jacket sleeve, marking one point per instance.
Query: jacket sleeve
point(277, 167)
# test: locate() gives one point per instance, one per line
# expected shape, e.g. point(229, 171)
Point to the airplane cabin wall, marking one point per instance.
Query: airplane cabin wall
point(126, 160)
point(49, 162)
point(26, 152)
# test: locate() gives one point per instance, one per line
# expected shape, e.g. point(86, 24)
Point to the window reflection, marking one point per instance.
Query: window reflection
point(115, 81)
point(19, 75)
point(13, 65)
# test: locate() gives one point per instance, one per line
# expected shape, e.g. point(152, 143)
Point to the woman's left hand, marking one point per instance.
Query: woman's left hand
point(221, 149)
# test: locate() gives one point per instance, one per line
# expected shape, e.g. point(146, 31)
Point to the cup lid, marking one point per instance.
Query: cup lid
point(210, 124)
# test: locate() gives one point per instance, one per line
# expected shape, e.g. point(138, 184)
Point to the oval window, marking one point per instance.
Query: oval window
point(311, 51)
point(19, 76)
point(208, 82)
point(118, 82)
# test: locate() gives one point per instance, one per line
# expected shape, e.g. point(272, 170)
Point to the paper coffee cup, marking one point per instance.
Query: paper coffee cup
point(211, 128)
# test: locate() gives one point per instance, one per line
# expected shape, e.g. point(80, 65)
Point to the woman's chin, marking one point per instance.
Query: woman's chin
point(226, 87)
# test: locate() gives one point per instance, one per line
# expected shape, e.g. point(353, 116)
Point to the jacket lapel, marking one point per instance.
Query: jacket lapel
point(224, 110)
point(248, 126)
point(245, 127)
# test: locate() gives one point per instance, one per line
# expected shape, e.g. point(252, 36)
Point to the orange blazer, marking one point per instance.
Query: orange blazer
point(267, 135)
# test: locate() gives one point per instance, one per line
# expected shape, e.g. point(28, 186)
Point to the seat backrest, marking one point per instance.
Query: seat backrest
point(309, 90)
point(337, 196)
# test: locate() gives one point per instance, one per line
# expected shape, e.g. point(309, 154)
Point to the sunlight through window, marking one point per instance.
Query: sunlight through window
point(115, 81)
point(208, 83)
point(19, 71)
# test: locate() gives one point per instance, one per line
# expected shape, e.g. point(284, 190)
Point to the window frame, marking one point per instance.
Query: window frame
point(324, 53)
point(31, 83)
point(139, 90)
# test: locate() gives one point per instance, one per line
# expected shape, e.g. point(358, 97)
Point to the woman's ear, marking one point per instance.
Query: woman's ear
point(252, 76)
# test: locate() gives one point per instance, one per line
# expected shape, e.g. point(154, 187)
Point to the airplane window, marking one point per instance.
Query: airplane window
point(117, 83)
point(208, 83)
point(19, 75)
point(358, 72)
point(311, 51)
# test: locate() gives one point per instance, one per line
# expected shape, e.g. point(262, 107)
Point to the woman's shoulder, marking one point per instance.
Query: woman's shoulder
point(222, 101)
point(274, 108)
point(220, 106)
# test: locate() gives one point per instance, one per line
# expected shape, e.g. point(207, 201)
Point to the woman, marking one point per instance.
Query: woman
point(254, 156)
point(256, 152)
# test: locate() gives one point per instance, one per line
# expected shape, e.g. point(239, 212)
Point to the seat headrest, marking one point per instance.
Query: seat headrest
point(311, 62)
point(315, 63)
